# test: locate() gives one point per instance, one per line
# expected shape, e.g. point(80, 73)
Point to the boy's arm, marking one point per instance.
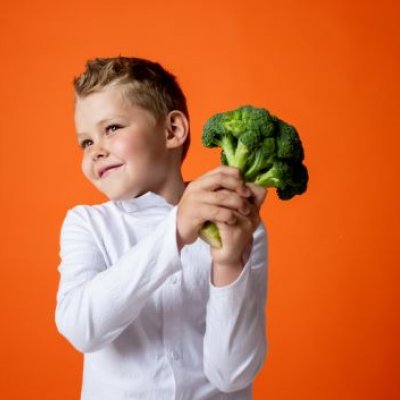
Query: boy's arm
point(94, 303)
point(235, 342)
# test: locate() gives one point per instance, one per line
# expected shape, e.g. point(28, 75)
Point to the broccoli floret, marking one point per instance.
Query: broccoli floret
point(277, 176)
point(267, 150)
point(289, 177)
point(238, 133)
point(215, 135)
point(288, 142)
point(246, 119)
point(297, 185)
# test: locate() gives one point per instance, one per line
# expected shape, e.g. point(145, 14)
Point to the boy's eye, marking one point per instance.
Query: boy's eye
point(112, 128)
point(85, 143)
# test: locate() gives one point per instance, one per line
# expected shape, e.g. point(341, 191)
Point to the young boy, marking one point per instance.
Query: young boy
point(157, 313)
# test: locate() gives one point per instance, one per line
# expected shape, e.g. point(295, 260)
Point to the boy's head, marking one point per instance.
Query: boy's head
point(143, 83)
point(132, 125)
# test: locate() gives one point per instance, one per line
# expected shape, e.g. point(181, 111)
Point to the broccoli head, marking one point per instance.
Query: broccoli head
point(238, 133)
point(267, 150)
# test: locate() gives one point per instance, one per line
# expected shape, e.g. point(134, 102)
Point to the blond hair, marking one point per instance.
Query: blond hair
point(145, 83)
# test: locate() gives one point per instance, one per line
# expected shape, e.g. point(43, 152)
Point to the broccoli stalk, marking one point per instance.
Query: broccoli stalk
point(210, 234)
point(262, 159)
point(266, 150)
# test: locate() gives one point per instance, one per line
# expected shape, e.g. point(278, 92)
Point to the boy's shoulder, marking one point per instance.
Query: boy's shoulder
point(92, 208)
point(91, 212)
point(149, 205)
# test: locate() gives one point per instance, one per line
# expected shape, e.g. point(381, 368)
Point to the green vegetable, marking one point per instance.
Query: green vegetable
point(267, 150)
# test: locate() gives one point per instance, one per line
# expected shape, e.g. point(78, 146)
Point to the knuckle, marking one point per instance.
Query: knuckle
point(235, 172)
point(189, 197)
point(214, 213)
point(220, 196)
point(221, 176)
point(227, 215)
point(190, 187)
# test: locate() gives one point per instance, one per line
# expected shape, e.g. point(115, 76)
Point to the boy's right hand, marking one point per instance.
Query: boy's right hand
point(213, 196)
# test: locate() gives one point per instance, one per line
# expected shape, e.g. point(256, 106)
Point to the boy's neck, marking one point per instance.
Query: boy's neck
point(173, 189)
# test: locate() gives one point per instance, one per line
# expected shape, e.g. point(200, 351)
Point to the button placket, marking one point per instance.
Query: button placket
point(172, 314)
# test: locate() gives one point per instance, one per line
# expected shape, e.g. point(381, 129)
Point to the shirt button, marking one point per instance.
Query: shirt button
point(174, 279)
point(174, 355)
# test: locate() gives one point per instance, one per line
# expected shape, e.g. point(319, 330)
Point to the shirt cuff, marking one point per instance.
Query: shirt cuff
point(239, 284)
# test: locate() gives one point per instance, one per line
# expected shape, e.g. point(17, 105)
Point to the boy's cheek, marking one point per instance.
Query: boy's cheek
point(86, 170)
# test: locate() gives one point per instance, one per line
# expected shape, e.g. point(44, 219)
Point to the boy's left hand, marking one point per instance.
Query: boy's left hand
point(228, 260)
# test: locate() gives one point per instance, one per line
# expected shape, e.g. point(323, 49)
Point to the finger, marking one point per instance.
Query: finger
point(254, 216)
point(251, 220)
point(218, 214)
point(242, 223)
point(258, 195)
point(229, 199)
point(225, 169)
point(222, 180)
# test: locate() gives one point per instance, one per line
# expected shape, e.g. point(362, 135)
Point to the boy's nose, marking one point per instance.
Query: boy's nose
point(99, 151)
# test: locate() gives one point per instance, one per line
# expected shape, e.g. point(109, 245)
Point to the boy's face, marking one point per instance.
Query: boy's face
point(123, 145)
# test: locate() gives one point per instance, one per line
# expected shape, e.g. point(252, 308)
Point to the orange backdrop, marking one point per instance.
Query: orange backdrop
point(329, 67)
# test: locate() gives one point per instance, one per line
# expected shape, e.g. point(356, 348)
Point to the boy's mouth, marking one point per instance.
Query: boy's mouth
point(103, 171)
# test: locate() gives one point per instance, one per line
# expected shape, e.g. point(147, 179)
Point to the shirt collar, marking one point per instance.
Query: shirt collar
point(147, 200)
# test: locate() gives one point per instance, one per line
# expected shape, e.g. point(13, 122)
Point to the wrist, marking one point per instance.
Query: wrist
point(228, 265)
point(225, 273)
point(186, 229)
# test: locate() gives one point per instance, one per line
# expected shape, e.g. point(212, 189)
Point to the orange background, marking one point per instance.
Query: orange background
point(329, 67)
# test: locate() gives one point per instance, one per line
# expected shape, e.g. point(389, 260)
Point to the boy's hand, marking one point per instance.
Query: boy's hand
point(219, 196)
point(236, 238)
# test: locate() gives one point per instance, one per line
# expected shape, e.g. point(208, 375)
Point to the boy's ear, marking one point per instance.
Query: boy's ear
point(177, 129)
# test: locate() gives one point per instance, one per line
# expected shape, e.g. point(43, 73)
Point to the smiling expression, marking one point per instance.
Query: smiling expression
point(123, 145)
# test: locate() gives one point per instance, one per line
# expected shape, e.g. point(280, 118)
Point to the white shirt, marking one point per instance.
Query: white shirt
point(148, 319)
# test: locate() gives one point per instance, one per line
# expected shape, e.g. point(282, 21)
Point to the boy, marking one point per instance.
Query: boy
point(156, 312)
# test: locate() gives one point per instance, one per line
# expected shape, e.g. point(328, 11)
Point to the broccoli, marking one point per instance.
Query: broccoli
point(267, 151)
point(238, 133)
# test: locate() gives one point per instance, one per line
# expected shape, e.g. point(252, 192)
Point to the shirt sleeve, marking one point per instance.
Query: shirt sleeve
point(95, 303)
point(235, 342)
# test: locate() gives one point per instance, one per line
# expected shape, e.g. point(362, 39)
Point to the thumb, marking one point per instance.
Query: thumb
point(259, 193)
